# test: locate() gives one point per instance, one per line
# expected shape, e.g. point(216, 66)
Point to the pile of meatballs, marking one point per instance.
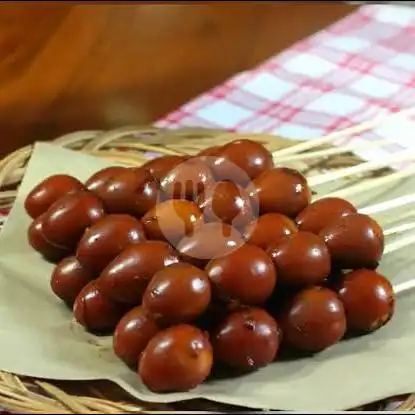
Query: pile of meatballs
point(213, 261)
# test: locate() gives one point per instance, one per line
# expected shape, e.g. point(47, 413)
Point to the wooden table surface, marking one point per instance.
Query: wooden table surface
point(66, 67)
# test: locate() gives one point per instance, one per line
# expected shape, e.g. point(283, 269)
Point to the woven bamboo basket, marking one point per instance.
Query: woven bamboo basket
point(131, 146)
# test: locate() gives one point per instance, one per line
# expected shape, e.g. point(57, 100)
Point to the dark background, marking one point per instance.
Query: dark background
point(66, 67)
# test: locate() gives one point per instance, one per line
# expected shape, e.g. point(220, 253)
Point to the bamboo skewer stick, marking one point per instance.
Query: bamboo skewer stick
point(371, 184)
point(405, 215)
point(394, 246)
point(334, 151)
point(368, 166)
point(356, 129)
point(399, 229)
point(388, 205)
point(404, 286)
point(393, 220)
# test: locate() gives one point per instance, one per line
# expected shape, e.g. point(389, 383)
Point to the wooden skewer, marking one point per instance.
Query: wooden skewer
point(333, 151)
point(404, 286)
point(324, 178)
point(399, 244)
point(356, 129)
point(395, 246)
point(388, 205)
point(392, 220)
point(399, 229)
point(371, 184)
point(404, 215)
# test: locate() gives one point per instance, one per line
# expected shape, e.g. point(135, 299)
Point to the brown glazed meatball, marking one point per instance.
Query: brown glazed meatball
point(368, 299)
point(212, 240)
point(354, 241)
point(126, 277)
point(98, 180)
point(178, 293)
point(48, 191)
point(301, 259)
point(281, 190)
point(318, 214)
point(228, 203)
point(269, 228)
point(176, 359)
point(132, 191)
point(187, 180)
point(39, 243)
point(68, 279)
point(246, 275)
point(107, 238)
point(172, 220)
point(209, 152)
point(95, 311)
point(161, 166)
point(132, 334)
point(246, 340)
point(241, 161)
point(313, 321)
point(66, 220)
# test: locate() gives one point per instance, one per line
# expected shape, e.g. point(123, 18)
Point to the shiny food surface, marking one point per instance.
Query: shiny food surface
point(220, 260)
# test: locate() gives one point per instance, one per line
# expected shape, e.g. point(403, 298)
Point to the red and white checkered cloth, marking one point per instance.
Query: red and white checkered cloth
point(350, 72)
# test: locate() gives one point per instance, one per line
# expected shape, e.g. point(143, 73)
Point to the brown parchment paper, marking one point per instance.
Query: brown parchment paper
point(38, 337)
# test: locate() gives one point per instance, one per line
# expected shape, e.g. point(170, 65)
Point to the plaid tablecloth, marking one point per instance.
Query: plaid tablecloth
point(359, 67)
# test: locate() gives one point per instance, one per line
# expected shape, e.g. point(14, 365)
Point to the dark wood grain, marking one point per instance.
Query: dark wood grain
point(65, 67)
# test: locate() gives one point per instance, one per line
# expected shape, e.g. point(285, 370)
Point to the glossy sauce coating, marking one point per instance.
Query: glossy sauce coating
point(368, 299)
point(106, 238)
point(132, 191)
point(48, 191)
point(269, 228)
point(228, 203)
point(161, 166)
point(281, 190)
point(241, 161)
point(178, 293)
point(319, 214)
point(132, 334)
point(68, 279)
point(209, 156)
point(314, 320)
point(98, 180)
point(209, 152)
point(178, 358)
point(172, 220)
point(354, 241)
point(187, 180)
point(301, 259)
point(246, 275)
point(246, 340)
point(211, 240)
point(95, 311)
point(126, 277)
point(66, 220)
point(39, 243)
